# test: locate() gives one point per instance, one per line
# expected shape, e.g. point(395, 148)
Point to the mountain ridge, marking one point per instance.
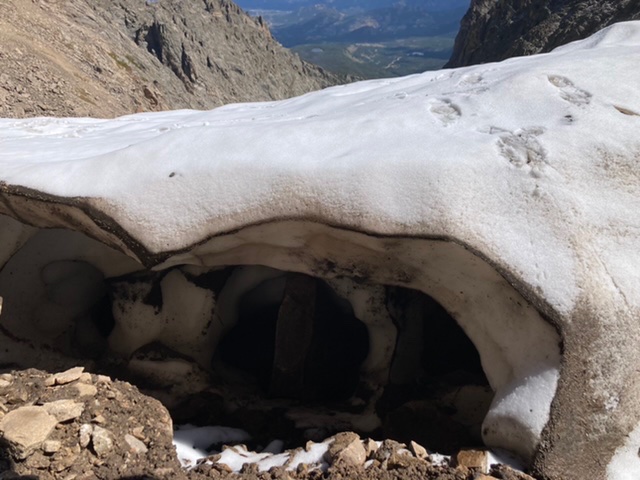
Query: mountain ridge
point(495, 30)
point(86, 58)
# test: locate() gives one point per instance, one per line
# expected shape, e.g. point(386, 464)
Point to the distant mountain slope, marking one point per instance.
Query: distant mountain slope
point(366, 39)
point(88, 58)
point(432, 5)
point(322, 23)
point(494, 30)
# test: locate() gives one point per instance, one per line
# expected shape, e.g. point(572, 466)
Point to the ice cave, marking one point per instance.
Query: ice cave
point(354, 258)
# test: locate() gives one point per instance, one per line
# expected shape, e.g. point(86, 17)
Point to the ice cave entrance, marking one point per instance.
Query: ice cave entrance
point(301, 348)
point(298, 347)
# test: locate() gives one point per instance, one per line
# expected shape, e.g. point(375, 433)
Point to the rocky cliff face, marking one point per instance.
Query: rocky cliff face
point(493, 30)
point(85, 58)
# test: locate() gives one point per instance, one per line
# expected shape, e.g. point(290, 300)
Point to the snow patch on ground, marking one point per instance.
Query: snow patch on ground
point(193, 446)
point(192, 443)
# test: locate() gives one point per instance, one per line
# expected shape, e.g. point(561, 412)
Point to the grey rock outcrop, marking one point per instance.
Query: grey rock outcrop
point(99, 59)
point(495, 30)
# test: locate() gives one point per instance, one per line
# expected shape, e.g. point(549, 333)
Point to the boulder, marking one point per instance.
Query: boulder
point(507, 192)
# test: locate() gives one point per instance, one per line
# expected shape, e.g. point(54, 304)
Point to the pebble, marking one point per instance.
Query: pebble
point(418, 450)
point(136, 445)
point(85, 390)
point(62, 378)
point(103, 379)
point(64, 410)
point(370, 446)
point(102, 441)
point(470, 458)
point(347, 448)
point(138, 432)
point(17, 396)
point(85, 435)
point(99, 419)
point(5, 380)
point(51, 446)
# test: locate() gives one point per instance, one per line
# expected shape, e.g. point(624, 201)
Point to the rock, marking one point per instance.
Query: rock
point(138, 432)
point(85, 435)
point(418, 450)
point(65, 377)
point(17, 396)
point(85, 390)
point(387, 449)
point(101, 441)
point(136, 445)
point(370, 447)
point(24, 429)
point(347, 449)
point(64, 410)
point(99, 418)
point(51, 446)
point(477, 459)
point(5, 379)
point(104, 379)
point(492, 31)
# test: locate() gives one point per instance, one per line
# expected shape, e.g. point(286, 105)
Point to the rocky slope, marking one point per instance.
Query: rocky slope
point(84, 58)
point(494, 30)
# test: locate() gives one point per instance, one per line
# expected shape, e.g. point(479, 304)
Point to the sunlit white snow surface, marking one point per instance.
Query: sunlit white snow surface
point(531, 163)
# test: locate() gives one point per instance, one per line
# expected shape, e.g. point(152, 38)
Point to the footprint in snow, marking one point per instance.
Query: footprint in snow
point(523, 150)
point(569, 92)
point(445, 111)
point(471, 79)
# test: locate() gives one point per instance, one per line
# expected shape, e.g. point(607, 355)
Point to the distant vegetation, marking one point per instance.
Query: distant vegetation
point(370, 39)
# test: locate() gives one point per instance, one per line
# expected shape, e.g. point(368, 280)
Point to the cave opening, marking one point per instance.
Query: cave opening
point(294, 364)
point(438, 393)
point(297, 339)
point(277, 353)
point(403, 365)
